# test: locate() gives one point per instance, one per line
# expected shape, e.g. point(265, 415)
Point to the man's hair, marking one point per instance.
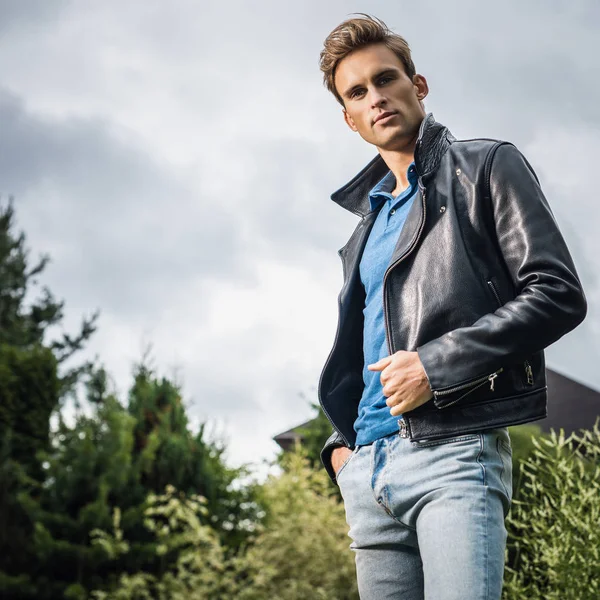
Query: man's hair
point(357, 33)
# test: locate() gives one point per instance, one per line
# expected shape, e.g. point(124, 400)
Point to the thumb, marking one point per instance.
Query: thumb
point(381, 364)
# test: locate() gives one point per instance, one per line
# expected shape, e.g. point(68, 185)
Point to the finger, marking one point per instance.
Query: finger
point(387, 374)
point(380, 364)
point(393, 399)
point(389, 389)
point(397, 410)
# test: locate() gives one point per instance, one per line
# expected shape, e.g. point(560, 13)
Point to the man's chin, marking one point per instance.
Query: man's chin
point(398, 142)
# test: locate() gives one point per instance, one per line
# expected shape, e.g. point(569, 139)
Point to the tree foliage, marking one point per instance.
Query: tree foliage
point(26, 320)
point(177, 522)
point(58, 485)
point(301, 551)
point(116, 458)
point(33, 379)
point(553, 526)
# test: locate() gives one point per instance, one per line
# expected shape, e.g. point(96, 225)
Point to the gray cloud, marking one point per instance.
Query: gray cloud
point(122, 226)
point(18, 14)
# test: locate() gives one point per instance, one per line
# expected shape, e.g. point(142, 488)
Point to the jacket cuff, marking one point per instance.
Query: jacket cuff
point(334, 441)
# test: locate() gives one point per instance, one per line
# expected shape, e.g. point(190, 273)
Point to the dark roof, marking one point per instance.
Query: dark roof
point(571, 405)
point(287, 439)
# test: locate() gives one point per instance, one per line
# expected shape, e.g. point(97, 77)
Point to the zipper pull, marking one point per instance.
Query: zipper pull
point(491, 379)
point(529, 373)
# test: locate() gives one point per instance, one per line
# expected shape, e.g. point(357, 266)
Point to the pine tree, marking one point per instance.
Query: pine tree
point(31, 387)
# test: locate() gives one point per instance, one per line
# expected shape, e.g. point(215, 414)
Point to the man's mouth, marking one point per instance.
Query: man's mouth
point(384, 117)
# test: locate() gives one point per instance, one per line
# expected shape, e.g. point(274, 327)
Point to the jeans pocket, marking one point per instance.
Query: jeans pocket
point(345, 464)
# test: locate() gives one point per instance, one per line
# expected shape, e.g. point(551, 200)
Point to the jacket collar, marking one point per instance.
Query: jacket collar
point(433, 141)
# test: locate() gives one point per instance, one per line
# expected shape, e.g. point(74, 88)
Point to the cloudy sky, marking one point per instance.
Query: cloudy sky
point(176, 159)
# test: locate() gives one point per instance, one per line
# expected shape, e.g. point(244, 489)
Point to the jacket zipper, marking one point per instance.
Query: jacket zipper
point(399, 260)
point(529, 373)
point(471, 386)
point(526, 364)
point(403, 424)
point(495, 292)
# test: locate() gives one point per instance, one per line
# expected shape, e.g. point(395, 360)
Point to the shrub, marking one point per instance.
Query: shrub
point(176, 520)
point(554, 539)
point(303, 551)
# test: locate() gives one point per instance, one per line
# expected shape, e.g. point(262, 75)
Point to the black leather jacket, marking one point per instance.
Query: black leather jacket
point(480, 282)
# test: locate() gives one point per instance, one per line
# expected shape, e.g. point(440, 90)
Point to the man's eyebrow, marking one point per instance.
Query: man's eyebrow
point(387, 71)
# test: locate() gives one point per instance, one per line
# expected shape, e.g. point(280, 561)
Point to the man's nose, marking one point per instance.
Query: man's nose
point(377, 99)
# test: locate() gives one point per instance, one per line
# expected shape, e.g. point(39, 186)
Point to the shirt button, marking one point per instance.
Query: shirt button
point(393, 211)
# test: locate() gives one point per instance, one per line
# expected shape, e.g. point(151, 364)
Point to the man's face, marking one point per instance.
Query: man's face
point(381, 102)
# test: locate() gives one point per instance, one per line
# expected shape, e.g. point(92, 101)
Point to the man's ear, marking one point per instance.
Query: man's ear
point(349, 120)
point(421, 87)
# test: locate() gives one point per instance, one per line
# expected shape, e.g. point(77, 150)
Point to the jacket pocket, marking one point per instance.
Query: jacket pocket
point(446, 397)
point(494, 291)
point(427, 443)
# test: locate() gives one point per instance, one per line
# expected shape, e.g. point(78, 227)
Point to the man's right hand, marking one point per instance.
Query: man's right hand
point(339, 457)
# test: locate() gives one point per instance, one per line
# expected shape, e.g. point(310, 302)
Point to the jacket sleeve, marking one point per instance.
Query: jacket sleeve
point(549, 299)
point(333, 441)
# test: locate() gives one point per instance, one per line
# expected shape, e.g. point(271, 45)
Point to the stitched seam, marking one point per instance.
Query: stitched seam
point(385, 492)
point(503, 467)
point(505, 446)
point(479, 456)
point(383, 502)
point(487, 169)
point(345, 464)
point(372, 465)
point(393, 516)
point(487, 545)
point(343, 467)
point(500, 442)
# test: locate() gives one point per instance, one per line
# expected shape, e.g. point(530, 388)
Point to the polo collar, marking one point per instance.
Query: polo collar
point(433, 141)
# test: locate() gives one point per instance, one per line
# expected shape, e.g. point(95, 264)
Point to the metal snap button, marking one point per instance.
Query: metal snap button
point(402, 428)
point(442, 209)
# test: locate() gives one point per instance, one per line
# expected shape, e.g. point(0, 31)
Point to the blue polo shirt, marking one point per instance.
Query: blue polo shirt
point(374, 420)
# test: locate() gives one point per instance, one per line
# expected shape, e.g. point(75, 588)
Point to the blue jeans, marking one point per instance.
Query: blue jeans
point(427, 518)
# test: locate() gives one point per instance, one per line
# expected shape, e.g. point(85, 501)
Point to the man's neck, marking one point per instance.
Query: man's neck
point(398, 162)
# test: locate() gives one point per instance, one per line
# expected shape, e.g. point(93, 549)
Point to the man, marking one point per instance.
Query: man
point(455, 280)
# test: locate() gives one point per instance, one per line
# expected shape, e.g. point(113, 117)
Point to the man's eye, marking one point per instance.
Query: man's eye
point(384, 80)
point(356, 93)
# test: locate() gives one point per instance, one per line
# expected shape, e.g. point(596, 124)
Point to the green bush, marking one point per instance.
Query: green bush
point(521, 440)
point(176, 521)
point(554, 538)
point(301, 552)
